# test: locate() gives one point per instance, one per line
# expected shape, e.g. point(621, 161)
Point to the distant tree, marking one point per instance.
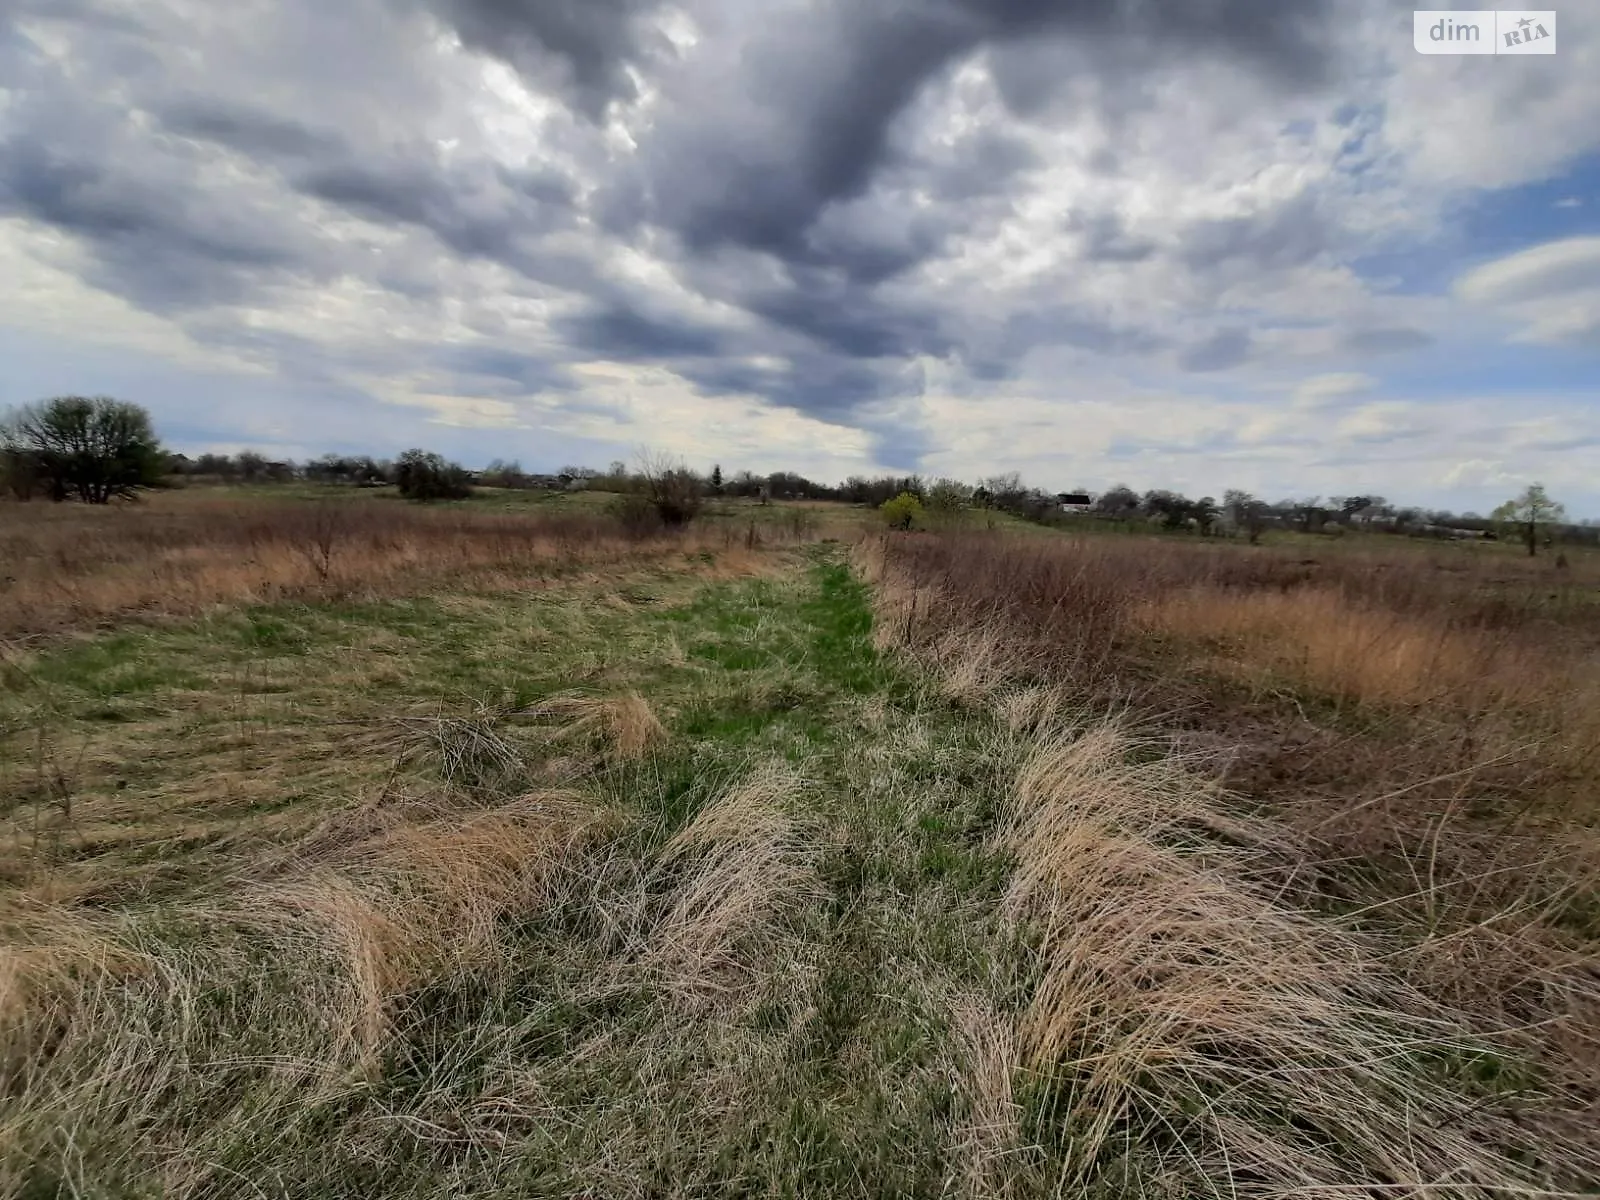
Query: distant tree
point(716, 480)
point(502, 474)
point(947, 497)
point(1350, 510)
point(252, 466)
point(745, 485)
point(1006, 491)
point(1309, 514)
point(1531, 515)
point(1170, 508)
point(1120, 502)
point(424, 476)
point(1245, 512)
point(901, 512)
point(95, 448)
point(1204, 513)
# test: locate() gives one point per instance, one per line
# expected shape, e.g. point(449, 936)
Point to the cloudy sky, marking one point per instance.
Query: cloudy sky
point(1245, 243)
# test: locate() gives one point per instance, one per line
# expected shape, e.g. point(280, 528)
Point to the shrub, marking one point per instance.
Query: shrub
point(904, 511)
point(672, 490)
point(422, 475)
point(637, 515)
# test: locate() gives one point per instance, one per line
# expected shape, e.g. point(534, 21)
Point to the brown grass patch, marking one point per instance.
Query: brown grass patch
point(626, 724)
point(417, 901)
point(742, 862)
point(1186, 1018)
point(1423, 726)
point(73, 566)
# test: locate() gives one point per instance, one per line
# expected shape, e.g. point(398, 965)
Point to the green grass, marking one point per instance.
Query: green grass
point(743, 673)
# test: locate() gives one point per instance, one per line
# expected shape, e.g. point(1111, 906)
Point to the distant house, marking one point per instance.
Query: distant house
point(1075, 501)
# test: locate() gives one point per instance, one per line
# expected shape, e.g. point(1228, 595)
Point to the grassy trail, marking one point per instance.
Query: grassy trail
point(735, 971)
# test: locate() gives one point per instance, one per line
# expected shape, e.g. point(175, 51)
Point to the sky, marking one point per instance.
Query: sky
point(1228, 243)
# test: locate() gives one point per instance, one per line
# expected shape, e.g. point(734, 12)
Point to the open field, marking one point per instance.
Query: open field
point(503, 854)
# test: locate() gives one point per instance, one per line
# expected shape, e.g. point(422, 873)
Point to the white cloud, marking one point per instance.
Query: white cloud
point(1552, 290)
point(1322, 391)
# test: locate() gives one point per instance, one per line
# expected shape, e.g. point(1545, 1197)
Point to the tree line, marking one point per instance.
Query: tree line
point(98, 449)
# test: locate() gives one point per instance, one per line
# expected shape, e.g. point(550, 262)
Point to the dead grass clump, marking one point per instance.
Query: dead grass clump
point(51, 958)
point(1185, 1025)
point(422, 900)
point(625, 725)
point(738, 866)
point(989, 1140)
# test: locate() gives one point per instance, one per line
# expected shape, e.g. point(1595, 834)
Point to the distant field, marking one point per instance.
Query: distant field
point(351, 848)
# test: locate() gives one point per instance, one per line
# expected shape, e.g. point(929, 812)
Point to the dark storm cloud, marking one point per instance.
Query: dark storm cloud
point(252, 131)
point(807, 382)
point(806, 113)
point(482, 211)
point(163, 249)
point(620, 332)
point(593, 40)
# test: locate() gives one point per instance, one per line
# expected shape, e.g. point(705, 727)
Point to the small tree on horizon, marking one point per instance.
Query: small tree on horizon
point(1530, 514)
point(422, 475)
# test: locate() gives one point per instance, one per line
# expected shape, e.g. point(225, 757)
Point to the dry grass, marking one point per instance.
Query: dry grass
point(743, 860)
point(626, 724)
point(701, 896)
point(1421, 728)
point(425, 900)
point(1185, 1018)
point(73, 567)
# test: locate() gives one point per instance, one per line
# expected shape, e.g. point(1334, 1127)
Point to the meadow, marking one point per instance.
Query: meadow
point(357, 848)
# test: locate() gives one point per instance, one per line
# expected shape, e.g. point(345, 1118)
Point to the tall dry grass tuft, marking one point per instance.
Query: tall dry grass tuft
point(626, 725)
point(741, 865)
point(420, 901)
point(990, 1140)
point(1186, 1025)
